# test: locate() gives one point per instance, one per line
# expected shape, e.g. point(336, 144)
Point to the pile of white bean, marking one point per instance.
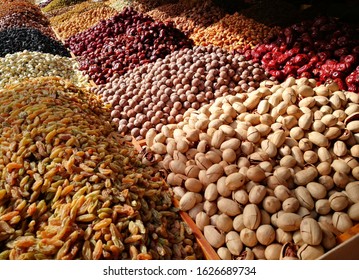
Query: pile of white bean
point(18, 66)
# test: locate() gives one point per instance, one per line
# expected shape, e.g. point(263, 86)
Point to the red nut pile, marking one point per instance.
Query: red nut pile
point(159, 93)
point(324, 48)
point(123, 42)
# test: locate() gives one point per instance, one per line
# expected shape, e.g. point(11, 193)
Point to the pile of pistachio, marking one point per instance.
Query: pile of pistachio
point(270, 174)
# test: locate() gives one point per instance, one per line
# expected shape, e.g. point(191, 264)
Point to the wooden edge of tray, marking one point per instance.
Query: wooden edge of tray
point(348, 234)
point(208, 251)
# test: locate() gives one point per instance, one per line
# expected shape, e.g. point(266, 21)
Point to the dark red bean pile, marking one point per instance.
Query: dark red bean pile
point(123, 42)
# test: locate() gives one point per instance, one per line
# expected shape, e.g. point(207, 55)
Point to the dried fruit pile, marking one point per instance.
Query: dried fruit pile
point(23, 20)
point(18, 39)
point(323, 48)
point(123, 42)
point(23, 7)
point(71, 188)
point(23, 14)
point(257, 170)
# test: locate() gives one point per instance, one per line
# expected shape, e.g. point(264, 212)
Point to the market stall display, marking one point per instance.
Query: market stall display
point(213, 129)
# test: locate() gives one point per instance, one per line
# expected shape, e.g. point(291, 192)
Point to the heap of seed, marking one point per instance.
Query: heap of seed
point(72, 188)
point(15, 68)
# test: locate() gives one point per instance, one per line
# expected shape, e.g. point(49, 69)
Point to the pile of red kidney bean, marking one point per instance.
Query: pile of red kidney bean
point(123, 42)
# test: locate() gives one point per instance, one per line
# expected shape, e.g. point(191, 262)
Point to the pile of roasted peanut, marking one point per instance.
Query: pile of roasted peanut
point(270, 174)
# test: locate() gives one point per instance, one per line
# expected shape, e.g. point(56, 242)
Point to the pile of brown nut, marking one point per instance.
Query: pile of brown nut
point(270, 174)
point(72, 188)
point(159, 93)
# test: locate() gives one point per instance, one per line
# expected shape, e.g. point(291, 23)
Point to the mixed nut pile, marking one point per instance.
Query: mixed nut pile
point(268, 170)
